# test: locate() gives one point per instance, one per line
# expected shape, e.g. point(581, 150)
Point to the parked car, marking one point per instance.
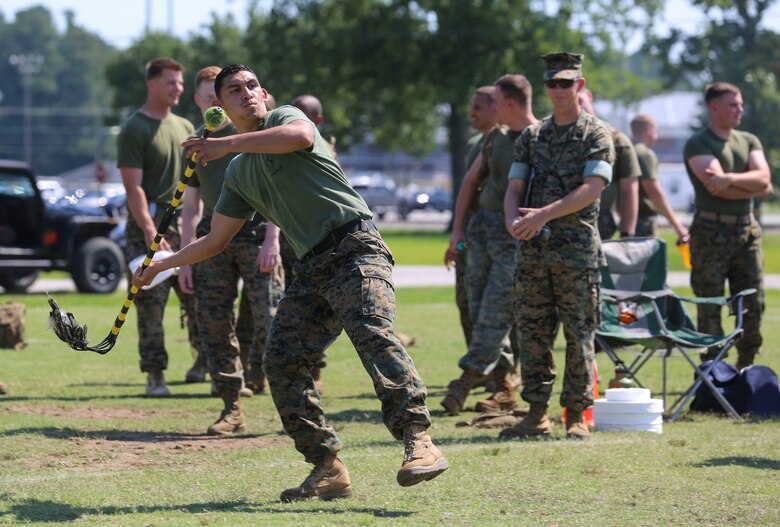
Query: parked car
point(36, 236)
point(378, 191)
point(108, 197)
point(436, 199)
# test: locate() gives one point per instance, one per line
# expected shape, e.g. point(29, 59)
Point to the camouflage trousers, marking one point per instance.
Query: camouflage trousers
point(288, 260)
point(647, 226)
point(545, 295)
point(461, 295)
point(150, 303)
point(216, 290)
point(350, 288)
point(721, 252)
point(490, 281)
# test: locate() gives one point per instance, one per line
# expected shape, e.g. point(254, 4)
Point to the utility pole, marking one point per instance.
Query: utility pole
point(27, 66)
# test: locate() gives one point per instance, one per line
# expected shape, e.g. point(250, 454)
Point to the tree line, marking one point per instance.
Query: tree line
point(390, 71)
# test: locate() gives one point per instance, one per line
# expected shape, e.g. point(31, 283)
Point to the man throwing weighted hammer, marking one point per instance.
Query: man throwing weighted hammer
point(343, 279)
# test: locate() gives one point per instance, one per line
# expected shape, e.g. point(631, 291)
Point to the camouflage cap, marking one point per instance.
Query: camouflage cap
point(563, 65)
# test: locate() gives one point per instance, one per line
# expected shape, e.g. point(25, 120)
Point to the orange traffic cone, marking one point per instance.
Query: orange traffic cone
point(587, 414)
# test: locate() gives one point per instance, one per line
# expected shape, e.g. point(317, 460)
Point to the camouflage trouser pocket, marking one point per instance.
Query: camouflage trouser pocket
point(377, 293)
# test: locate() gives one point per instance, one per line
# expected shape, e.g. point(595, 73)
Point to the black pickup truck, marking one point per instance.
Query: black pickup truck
point(36, 236)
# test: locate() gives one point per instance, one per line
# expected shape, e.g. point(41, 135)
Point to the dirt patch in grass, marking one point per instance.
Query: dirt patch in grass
point(87, 412)
point(105, 449)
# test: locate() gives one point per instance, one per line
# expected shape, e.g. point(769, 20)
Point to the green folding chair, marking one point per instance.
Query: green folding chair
point(634, 283)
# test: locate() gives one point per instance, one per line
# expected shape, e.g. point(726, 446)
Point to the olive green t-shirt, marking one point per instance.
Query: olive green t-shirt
point(305, 192)
point(498, 152)
point(153, 145)
point(209, 178)
point(626, 165)
point(734, 156)
point(648, 163)
point(473, 148)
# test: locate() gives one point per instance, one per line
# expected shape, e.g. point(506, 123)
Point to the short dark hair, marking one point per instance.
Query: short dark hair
point(156, 66)
point(229, 70)
point(486, 91)
point(717, 89)
point(641, 123)
point(515, 87)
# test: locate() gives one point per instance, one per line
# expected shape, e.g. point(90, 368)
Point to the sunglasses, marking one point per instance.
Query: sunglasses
point(560, 83)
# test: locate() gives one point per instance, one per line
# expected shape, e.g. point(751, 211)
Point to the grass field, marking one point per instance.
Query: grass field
point(80, 446)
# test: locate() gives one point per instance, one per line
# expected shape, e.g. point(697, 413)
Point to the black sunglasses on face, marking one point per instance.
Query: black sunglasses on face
point(560, 83)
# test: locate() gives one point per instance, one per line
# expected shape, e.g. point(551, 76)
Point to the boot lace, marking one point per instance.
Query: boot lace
point(317, 474)
point(411, 446)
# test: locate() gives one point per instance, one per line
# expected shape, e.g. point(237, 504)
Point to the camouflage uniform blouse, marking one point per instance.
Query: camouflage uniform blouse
point(558, 165)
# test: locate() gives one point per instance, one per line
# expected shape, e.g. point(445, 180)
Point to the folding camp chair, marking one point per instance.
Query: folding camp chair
point(654, 317)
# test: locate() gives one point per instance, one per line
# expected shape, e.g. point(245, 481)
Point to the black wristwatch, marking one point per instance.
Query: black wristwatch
point(624, 234)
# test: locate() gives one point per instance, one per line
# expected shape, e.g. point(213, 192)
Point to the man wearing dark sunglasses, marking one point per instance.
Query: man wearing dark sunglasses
point(562, 164)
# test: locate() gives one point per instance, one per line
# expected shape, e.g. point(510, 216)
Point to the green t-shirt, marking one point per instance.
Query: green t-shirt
point(556, 166)
point(648, 163)
point(626, 165)
point(734, 156)
point(498, 152)
point(473, 148)
point(305, 193)
point(153, 145)
point(209, 178)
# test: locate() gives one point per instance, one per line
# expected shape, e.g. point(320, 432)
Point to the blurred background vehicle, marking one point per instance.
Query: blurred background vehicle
point(378, 191)
point(432, 199)
point(37, 235)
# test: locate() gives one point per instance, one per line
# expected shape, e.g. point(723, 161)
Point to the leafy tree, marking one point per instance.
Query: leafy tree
point(67, 95)
point(126, 70)
point(733, 48)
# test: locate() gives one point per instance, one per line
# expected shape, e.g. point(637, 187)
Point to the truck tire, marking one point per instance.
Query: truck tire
point(17, 281)
point(98, 266)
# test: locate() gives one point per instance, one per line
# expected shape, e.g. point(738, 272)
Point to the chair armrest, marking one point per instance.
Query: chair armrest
point(613, 296)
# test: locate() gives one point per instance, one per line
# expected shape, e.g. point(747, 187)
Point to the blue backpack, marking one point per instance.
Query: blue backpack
point(754, 390)
point(760, 391)
point(725, 377)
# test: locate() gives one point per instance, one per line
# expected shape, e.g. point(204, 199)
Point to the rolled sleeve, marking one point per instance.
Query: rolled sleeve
point(598, 168)
point(520, 171)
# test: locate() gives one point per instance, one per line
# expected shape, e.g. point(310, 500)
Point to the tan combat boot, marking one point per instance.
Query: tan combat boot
point(155, 384)
point(231, 421)
point(255, 379)
point(245, 390)
point(458, 390)
point(422, 460)
point(575, 425)
point(197, 373)
point(536, 423)
point(504, 399)
point(328, 480)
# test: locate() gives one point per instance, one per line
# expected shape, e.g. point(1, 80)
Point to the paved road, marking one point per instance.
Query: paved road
point(404, 276)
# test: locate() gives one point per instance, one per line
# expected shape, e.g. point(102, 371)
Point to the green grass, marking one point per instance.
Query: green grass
point(79, 445)
point(427, 248)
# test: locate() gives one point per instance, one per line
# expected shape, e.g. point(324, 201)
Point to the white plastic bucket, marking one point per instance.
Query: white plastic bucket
point(628, 409)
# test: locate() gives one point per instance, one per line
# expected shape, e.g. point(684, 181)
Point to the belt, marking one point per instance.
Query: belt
point(733, 219)
point(335, 236)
